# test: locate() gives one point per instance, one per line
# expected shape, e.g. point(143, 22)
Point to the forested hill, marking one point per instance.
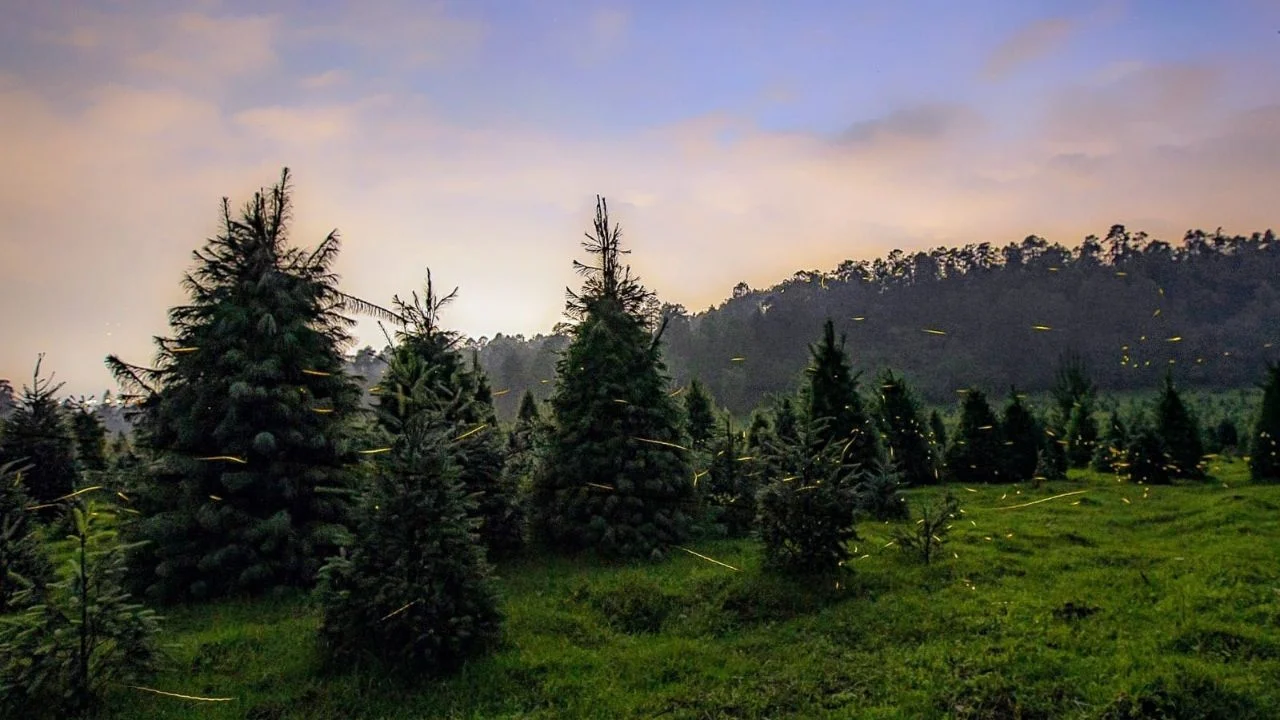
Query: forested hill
point(979, 314)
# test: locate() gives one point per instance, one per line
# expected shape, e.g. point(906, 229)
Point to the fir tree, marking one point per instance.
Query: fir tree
point(1180, 432)
point(22, 559)
point(1264, 447)
point(700, 420)
point(1147, 458)
point(1082, 434)
point(1226, 436)
point(90, 437)
point(757, 432)
point(614, 478)
point(427, 373)
point(413, 594)
point(524, 442)
point(247, 415)
point(1053, 455)
point(80, 636)
point(807, 512)
point(1109, 455)
point(786, 423)
point(730, 487)
point(1074, 395)
point(938, 430)
point(1021, 440)
point(977, 454)
point(36, 434)
point(910, 452)
point(833, 401)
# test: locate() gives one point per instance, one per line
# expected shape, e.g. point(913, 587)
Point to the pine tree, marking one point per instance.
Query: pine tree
point(786, 423)
point(910, 452)
point(1264, 448)
point(938, 429)
point(427, 373)
point(1147, 458)
point(22, 557)
point(524, 442)
point(700, 420)
point(1021, 440)
point(977, 453)
point(1082, 434)
point(413, 594)
point(247, 415)
point(833, 400)
point(757, 432)
point(79, 636)
point(1074, 396)
point(730, 486)
point(807, 512)
point(90, 437)
point(1109, 455)
point(1226, 435)
point(1180, 432)
point(36, 434)
point(614, 478)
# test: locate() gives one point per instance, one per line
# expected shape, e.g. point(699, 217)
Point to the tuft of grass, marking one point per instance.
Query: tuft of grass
point(1085, 606)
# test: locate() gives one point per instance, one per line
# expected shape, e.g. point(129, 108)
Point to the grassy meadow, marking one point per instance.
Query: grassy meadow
point(1121, 601)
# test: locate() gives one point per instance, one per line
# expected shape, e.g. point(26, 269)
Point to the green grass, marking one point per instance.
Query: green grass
point(1082, 607)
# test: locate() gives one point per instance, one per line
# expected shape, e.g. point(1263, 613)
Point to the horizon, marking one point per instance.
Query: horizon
point(734, 141)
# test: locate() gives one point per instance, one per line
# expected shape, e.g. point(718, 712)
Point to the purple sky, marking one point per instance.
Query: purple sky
point(736, 140)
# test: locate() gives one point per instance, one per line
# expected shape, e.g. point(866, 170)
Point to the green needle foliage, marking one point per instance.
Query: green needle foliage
point(1180, 432)
point(79, 636)
point(807, 515)
point(700, 420)
point(90, 437)
point(1148, 459)
point(978, 453)
point(731, 485)
point(615, 478)
point(910, 450)
point(36, 434)
point(832, 398)
point(1022, 435)
point(1109, 455)
point(1264, 458)
point(22, 556)
point(924, 538)
point(413, 593)
point(427, 373)
point(248, 414)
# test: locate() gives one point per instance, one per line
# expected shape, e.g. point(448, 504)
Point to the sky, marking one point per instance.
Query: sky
point(736, 140)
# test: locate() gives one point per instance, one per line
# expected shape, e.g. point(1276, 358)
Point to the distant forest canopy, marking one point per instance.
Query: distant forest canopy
point(980, 314)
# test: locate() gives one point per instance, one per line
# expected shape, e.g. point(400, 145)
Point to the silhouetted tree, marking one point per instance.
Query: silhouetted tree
point(1180, 432)
point(22, 556)
point(1147, 460)
point(90, 437)
point(910, 452)
point(939, 430)
point(977, 453)
point(700, 421)
point(1264, 450)
point(36, 434)
point(614, 477)
point(730, 487)
point(1022, 440)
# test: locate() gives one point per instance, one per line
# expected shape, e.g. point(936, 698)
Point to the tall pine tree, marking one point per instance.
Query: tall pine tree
point(247, 414)
point(90, 437)
point(910, 450)
point(1264, 450)
point(835, 406)
point(615, 477)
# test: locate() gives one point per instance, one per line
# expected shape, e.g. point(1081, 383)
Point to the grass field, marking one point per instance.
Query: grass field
point(1120, 602)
